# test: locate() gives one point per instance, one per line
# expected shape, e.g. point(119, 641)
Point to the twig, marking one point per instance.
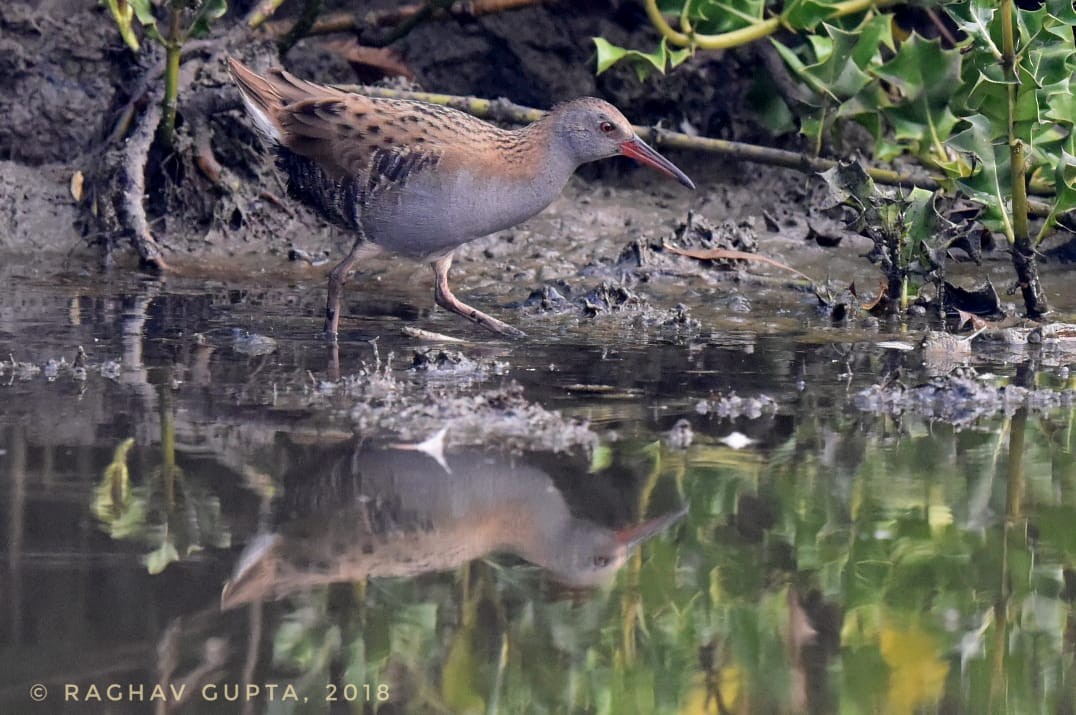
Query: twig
point(262, 12)
point(718, 254)
point(939, 25)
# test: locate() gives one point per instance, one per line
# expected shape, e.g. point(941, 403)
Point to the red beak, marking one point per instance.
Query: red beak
point(639, 150)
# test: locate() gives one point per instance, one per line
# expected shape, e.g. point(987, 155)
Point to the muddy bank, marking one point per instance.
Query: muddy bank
point(68, 80)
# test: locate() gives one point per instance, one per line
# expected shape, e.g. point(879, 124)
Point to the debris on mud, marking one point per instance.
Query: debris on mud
point(959, 398)
point(55, 369)
point(695, 233)
point(380, 404)
point(252, 344)
point(982, 301)
point(453, 364)
point(502, 417)
point(681, 435)
point(607, 300)
point(731, 406)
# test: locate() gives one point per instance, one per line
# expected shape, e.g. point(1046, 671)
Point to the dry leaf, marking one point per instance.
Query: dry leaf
point(77, 180)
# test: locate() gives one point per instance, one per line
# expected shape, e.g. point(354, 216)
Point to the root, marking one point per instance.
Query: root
point(133, 187)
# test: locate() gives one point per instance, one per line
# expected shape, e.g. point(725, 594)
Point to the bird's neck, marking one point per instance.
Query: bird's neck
point(537, 154)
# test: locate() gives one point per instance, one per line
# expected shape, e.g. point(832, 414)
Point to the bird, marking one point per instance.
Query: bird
point(372, 512)
point(419, 180)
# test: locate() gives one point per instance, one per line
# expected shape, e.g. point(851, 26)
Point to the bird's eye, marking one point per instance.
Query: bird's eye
point(601, 561)
point(606, 127)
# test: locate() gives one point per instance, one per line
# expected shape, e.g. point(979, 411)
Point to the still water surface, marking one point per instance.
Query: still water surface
point(195, 513)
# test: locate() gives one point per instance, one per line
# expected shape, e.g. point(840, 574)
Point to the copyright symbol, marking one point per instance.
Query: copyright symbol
point(38, 692)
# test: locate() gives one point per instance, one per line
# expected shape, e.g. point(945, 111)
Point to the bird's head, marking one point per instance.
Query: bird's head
point(593, 129)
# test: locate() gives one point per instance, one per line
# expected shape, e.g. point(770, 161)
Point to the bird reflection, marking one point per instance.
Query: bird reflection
point(402, 513)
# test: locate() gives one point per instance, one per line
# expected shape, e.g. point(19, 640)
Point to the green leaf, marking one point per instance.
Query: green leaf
point(797, 66)
point(643, 62)
point(922, 70)
point(980, 27)
point(806, 14)
point(122, 13)
point(922, 224)
point(143, 10)
point(925, 76)
point(209, 11)
point(1064, 191)
point(712, 17)
point(989, 184)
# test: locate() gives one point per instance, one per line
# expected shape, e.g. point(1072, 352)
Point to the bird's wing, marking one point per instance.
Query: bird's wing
point(381, 142)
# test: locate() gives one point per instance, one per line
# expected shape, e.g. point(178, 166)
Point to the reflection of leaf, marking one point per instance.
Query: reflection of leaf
point(601, 459)
point(158, 560)
point(916, 670)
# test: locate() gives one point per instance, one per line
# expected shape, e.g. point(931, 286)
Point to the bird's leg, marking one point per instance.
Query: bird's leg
point(443, 295)
point(337, 278)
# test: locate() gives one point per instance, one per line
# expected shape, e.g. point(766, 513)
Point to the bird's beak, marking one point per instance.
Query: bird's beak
point(631, 536)
point(639, 150)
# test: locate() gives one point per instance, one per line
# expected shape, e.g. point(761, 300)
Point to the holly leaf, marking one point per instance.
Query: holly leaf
point(989, 182)
point(1064, 190)
point(643, 62)
point(806, 14)
point(925, 76)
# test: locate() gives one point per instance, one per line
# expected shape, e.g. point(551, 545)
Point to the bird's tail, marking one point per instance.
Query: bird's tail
point(262, 99)
point(266, 97)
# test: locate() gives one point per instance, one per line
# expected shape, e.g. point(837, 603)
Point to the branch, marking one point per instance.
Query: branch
point(735, 38)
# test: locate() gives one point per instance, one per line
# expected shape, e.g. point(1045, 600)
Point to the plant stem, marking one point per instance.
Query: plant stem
point(1023, 253)
point(172, 48)
point(744, 35)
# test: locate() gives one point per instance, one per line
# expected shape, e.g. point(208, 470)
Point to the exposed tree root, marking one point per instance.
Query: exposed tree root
point(133, 187)
point(118, 185)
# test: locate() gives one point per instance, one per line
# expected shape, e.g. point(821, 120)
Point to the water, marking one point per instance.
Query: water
point(197, 512)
